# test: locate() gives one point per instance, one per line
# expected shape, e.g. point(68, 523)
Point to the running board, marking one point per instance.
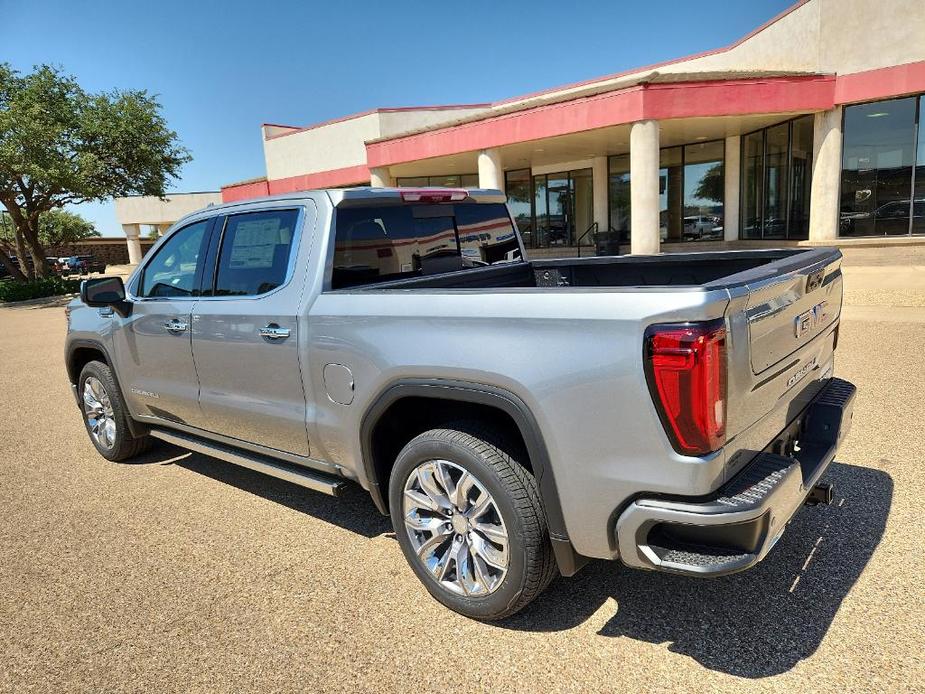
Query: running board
point(274, 468)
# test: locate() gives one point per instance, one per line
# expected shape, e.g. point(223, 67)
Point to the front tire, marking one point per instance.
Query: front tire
point(470, 522)
point(105, 414)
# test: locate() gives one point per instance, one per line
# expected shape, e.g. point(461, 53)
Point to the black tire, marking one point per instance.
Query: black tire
point(125, 446)
point(494, 463)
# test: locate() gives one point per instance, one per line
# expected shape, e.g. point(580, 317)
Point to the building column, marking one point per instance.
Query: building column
point(600, 188)
point(644, 159)
point(162, 229)
point(381, 177)
point(133, 242)
point(491, 174)
point(731, 177)
point(823, 202)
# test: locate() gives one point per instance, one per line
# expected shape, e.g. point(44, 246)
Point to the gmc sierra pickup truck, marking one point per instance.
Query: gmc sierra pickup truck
point(513, 417)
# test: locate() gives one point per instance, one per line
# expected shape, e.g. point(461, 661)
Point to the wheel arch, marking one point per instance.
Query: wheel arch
point(78, 354)
point(473, 394)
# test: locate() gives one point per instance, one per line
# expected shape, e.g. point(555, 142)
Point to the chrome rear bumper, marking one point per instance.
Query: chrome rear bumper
point(737, 526)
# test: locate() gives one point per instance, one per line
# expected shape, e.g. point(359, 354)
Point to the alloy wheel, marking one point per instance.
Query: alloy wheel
point(98, 409)
point(455, 528)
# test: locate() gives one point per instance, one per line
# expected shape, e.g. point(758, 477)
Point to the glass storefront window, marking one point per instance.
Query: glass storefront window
point(776, 167)
point(752, 168)
point(449, 181)
point(691, 192)
point(801, 176)
point(517, 187)
point(412, 182)
point(620, 197)
point(775, 180)
point(703, 191)
point(670, 193)
point(918, 205)
point(540, 216)
point(563, 206)
point(878, 156)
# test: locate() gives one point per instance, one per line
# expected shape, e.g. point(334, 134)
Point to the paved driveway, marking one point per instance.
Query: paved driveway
point(180, 572)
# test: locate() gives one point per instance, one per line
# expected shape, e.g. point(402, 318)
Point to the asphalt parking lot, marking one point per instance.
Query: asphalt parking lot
point(180, 572)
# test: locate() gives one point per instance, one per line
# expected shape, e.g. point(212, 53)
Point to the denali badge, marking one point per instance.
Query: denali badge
point(805, 369)
point(145, 393)
point(808, 320)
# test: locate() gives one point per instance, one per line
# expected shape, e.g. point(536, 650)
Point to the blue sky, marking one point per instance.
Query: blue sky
point(222, 69)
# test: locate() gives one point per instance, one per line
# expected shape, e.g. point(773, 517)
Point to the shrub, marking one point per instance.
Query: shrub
point(50, 286)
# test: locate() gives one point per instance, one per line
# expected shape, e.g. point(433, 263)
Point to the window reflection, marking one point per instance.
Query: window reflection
point(563, 207)
point(448, 181)
point(878, 156)
point(918, 207)
point(703, 191)
point(775, 180)
point(670, 192)
point(380, 243)
point(691, 193)
point(517, 187)
point(620, 197)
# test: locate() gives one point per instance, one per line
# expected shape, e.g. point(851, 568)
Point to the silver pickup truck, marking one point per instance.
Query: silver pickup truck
point(514, 418)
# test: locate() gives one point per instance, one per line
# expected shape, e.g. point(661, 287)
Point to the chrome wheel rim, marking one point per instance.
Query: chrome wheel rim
point(98, 410)
point(455, 528)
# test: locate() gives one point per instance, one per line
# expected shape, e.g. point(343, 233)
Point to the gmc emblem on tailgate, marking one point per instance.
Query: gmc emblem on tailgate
point(808, 320)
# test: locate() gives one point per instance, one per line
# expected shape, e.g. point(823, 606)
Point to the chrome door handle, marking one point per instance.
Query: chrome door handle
point(274, 332)
point(176, 326)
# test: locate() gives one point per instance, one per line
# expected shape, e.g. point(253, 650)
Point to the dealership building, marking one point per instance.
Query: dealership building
point(809, 130)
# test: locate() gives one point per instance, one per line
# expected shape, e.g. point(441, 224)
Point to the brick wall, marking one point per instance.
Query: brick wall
point(111, 251)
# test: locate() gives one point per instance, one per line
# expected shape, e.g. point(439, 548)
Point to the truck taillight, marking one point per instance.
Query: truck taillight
point(686, 370)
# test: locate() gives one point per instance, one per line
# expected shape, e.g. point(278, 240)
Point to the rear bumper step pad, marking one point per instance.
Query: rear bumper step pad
point(739, 525)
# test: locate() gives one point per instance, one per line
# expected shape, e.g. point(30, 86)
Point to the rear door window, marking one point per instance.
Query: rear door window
point(255, 252)
point(380, 243)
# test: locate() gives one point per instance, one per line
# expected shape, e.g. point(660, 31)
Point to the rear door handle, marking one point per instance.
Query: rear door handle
point(176, 326)
point(274, 332)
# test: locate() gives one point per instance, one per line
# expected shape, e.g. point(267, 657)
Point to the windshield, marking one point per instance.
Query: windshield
point(388, 242)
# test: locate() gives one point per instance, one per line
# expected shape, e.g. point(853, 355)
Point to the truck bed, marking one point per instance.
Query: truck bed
point(708, 270)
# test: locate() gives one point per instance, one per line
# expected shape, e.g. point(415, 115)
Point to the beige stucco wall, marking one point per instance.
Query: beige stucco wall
point(790, 44)
point(341, 144)
point(333, 146)
point(148, 209)
point(868, 34)
point(392, 123)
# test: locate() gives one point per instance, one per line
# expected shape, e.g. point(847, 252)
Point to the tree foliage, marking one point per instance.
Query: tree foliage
point(711, 185)
point(56, 228)
point(61, 145)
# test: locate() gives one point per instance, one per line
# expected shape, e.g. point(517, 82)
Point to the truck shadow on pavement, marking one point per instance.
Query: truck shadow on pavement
point(353, 510)
point(755, 624)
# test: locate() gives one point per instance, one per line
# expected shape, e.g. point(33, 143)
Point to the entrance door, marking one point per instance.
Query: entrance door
point(561, 227)
point(563, 207)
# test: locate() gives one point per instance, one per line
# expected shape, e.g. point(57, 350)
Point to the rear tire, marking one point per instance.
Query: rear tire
point(485, 564)
point(105, 414)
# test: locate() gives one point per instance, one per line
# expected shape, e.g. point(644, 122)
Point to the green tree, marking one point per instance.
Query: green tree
point(711, 185)
point(61, 145)
point(60, 227)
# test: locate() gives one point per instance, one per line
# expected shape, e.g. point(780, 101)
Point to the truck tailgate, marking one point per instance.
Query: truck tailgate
point(785, 314)
point(783, 319)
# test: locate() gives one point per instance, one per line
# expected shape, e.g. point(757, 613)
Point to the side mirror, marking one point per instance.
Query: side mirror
point(104, 291)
